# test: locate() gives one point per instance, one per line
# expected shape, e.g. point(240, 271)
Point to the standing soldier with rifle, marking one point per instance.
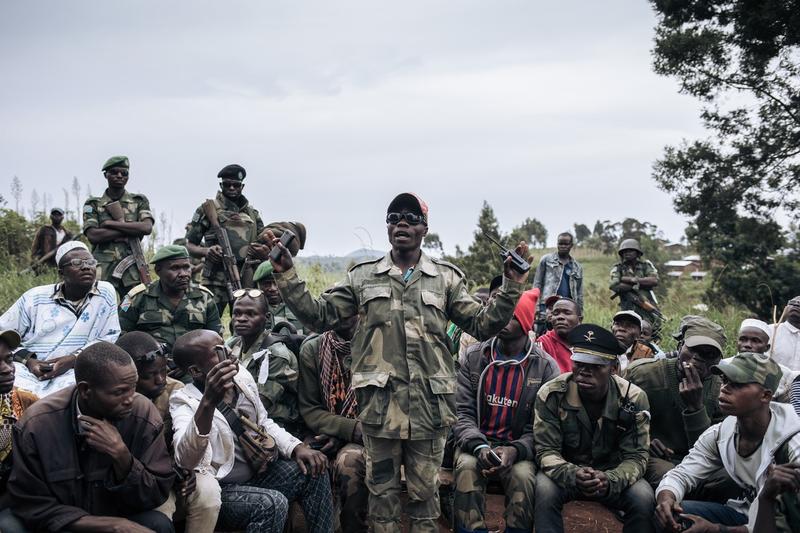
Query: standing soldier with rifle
point(222, 231)
point(115, 224)
point(633, 280)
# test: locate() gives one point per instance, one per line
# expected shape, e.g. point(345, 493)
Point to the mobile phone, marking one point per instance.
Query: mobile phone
point(685, 523)
point(48, 367)
point(179, 473)
point(286, 238)
point(316, 445)
point(494, 458)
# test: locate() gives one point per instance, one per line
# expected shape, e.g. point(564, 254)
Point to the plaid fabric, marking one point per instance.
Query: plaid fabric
point(340, 398)
point(8, 416)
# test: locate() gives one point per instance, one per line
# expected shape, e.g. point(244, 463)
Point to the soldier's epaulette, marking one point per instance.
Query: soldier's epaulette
point(364, 262)
point(136, 290)
point(447, 264)
point(138, 195)
point(557, 384)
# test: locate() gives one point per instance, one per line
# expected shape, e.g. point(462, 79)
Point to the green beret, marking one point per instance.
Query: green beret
point(264, 270)
point(170, 251)
point(232, 172)
point(116, 161)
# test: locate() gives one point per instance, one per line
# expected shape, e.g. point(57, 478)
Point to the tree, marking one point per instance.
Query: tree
point(76, 191)
point(482, 260)
point(582, 233)
point(531, 231)
point(742, 61)
point(433, 244)
point(34, 203)
point(16, 192)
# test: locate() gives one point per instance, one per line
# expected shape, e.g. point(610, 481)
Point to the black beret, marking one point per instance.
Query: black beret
point(232, 172)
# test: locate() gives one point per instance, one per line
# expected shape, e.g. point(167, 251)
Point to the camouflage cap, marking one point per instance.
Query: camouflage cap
point(264, 270)
point(700, 325)
point(116, 161)
point(750, 368)
point(593, 345)
point(170, 251)
point(11, 338)
point(232, 172)
point(299, 230)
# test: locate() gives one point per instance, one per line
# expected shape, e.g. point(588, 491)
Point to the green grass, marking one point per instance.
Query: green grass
point(680, 299)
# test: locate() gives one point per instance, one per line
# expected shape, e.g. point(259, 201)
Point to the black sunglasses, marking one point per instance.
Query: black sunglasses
point(411, 218)
point(151, 356)
point(114, 171)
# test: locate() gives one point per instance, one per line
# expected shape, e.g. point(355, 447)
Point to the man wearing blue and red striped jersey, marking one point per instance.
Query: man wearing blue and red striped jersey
point(497, 387)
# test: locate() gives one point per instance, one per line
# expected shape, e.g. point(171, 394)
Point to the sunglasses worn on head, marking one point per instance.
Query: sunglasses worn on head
point(117, 171)
point(411, 218)
point(151, 356)
point(252, 293)
point(80, 263)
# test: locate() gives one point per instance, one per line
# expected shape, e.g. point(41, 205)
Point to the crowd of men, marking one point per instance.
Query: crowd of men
point(125, 406)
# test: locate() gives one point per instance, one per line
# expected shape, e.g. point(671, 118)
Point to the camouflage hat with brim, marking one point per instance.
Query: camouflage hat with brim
point(264, 270)
point(749, 367)
point(170, 251)
point(116, 161)
point(299, 230)
point(10, 337)
point(593, 345)
point(694, 325)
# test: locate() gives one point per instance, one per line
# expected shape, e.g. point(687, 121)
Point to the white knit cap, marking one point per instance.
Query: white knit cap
point(68, 247)
point(755, 323)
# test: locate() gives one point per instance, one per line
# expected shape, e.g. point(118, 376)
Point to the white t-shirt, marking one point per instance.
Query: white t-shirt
point(786, 345)
point(746, 468)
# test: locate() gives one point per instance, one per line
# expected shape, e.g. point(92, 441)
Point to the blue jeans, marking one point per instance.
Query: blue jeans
point(716, 513)
point(262, 504)
point(637, 501)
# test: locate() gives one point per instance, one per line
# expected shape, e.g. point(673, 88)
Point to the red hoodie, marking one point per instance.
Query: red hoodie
point(558, 350)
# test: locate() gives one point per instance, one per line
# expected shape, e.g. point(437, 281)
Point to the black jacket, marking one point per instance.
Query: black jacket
point(470, 398)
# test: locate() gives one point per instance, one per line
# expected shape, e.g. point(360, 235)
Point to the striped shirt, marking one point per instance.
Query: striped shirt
point(502, 385)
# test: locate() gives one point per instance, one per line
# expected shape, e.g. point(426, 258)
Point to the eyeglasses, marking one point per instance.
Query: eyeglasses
point(80, 263)
point(151, 356)
point(252, 293)
point(411, 218)
point(117, 172)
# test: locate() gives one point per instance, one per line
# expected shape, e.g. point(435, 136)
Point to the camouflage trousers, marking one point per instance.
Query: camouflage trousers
point(470, 495)
point(349, 491)
point(421, 460)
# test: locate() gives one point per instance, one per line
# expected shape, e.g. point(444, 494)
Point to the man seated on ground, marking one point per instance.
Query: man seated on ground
point(756, 434)
point(497, 385)
point(684, 402)
point(272, 364)
point(221, 426)
point(171, 305)
point(195, 496)
point(57, 321)
point(627, 328)
point(565, 315)
point(686, 322)
point(13, 402)
point(92, 457)
point(754, 337)
point(329, 408)
point(591, 436)
point(264, 278)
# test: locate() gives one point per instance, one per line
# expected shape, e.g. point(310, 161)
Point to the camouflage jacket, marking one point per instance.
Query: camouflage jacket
point(316, 415)
point(108, 254)
point(643, 269)
point(566, 439)
point(402, 369)
point(282, 313)
point(275, 370)
point(147, 308)
point(672, 424)
point(242, 223)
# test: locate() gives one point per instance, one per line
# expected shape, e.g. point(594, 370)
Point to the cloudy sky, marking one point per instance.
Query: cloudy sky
point(546, 110)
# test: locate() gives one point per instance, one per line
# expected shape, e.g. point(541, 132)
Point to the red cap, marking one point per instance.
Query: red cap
point(410, 201)
point(525, 312)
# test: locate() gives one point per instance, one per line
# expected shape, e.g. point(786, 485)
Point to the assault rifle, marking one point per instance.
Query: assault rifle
point(137, 256)
point(232, 280)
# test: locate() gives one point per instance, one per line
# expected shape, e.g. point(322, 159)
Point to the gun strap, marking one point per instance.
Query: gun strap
point(122, 266)
point(232, 418)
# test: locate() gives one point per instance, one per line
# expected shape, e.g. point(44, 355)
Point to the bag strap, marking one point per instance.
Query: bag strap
point(232, 417)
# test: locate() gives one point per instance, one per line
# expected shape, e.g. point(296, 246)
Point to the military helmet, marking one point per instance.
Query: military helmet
point(629, 244)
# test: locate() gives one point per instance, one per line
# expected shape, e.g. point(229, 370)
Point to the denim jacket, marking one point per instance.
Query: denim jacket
point(548, 278)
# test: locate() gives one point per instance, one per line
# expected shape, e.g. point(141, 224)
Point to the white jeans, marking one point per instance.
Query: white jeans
point(200, 508)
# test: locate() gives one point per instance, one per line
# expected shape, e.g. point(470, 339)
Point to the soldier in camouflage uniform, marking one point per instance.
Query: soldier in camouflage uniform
point(240, 221)
point(272, 364)
point(633, 280)
point(402, 370)
point(327, 403)
point(108, 237)
point(591, 431)
point(197, 262)
point(278, 311)
point(171, 305)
